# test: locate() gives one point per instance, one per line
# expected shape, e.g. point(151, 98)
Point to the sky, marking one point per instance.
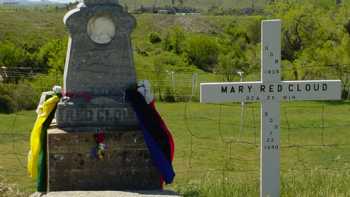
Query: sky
point(63, 1)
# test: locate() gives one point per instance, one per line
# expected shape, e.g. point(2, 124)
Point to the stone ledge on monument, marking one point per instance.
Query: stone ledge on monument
point(156, 193)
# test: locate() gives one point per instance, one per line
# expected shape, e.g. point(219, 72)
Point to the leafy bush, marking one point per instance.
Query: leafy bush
point(25, 97)
point(5, 89)
point(167, 58)
point(173, 62)
point(7, 105)
point(231, 63)
point(169, 96)
point(43, 83)
point(202, 51)
point(154, 38)
point(15, 97)
point(174, 40)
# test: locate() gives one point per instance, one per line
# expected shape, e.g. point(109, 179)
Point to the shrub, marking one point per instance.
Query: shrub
point(173, 62)
point(202, 51)
point(167, 58)
point(169, 96)
point(25, 97)
point(5, 89)
point(7, 105)
point(232, 62)
point(174, 40)
point(15, 97)
point(43, 83)
point(154, 38)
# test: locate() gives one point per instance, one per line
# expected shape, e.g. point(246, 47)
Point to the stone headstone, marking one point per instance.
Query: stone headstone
point(99, 67)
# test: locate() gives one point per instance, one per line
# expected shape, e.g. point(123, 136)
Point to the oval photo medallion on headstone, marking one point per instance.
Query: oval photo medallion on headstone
point(101, 29)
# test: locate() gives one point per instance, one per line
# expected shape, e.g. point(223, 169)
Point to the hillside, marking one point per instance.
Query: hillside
point(22, 25)
point(204, 5)
point(42, 25)
point(200, 4)
point(213, 46)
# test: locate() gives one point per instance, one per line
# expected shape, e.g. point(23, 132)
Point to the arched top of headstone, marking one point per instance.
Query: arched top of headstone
point(93, 2)
point(77, 19)
point(99, 66)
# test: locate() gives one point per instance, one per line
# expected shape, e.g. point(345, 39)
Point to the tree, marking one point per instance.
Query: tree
point(231, 63)
point(12, 56)
point(15, 60)
point(52, 55)
point(301, 27)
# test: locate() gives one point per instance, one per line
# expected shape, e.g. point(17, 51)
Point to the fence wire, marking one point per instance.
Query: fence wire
point(221, 139)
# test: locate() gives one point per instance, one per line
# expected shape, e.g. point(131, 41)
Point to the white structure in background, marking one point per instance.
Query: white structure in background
point(3, 73)
point(270, 91)
point(9, 2)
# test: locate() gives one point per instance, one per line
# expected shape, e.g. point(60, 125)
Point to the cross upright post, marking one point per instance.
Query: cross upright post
point(270, 110)
point(270, 91)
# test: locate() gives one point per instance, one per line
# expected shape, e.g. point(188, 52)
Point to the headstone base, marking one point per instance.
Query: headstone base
point(73, 166)
point(109, 194)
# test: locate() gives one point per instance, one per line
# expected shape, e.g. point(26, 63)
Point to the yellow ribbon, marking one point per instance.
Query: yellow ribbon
point(35, 138)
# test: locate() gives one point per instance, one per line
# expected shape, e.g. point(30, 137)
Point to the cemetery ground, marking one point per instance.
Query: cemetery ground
point(217, 156)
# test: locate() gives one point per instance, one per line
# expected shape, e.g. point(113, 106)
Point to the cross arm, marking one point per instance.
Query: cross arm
point(258, 91)
point(229, 92)
point(311, 90)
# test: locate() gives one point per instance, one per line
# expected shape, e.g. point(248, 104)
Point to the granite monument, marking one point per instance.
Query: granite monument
point(99, 67)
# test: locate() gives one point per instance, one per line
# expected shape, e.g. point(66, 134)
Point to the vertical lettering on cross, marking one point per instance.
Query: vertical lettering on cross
point(270, 109)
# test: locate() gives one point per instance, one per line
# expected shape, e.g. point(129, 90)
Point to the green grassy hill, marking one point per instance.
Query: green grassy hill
point(200, 4)
point(23, 25)
point(225, 4)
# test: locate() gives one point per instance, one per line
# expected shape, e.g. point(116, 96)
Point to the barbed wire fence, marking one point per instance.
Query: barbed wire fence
point(215, 140)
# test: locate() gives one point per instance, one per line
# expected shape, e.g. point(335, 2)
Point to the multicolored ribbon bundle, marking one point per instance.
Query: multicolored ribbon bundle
point(156, 134)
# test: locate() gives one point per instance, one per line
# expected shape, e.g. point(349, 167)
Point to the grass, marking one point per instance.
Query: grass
point(14, 138)
point(37, 26)
point(7, 190)
point(214, 157)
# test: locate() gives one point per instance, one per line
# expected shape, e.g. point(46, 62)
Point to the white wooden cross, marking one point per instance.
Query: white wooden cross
point(270, 91)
